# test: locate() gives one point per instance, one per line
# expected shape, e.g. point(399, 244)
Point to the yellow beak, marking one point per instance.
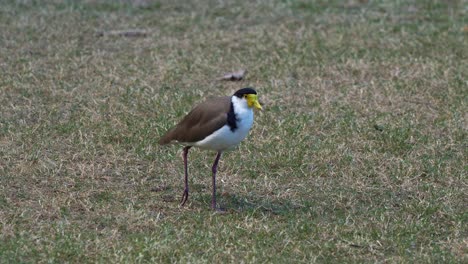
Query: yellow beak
point(252, 101)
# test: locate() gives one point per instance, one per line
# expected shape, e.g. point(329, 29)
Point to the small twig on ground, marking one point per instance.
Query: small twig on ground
point(124, 33)
point(234, 76)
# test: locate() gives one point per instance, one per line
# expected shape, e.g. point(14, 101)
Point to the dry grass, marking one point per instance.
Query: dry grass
point(359, 156)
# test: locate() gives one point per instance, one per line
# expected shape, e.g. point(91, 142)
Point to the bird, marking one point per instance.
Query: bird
point(219, 124)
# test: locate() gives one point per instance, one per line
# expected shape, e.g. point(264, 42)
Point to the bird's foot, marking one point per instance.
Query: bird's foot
point(220, 210)
point(184, 197)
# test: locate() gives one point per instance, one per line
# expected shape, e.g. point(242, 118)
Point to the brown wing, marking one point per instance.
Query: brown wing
point(203, 120)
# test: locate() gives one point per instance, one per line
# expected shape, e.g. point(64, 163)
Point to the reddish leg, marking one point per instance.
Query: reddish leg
point(186, 190)
point(214, 169)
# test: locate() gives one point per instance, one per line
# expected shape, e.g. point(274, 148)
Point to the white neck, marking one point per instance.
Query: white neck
point(240, 105)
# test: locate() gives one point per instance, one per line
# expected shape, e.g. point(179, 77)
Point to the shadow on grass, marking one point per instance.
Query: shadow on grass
point(253, 203)
point(200, 198)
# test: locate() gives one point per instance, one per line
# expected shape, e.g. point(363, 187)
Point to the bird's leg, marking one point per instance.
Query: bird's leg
point(185, 194)
point(214, 169)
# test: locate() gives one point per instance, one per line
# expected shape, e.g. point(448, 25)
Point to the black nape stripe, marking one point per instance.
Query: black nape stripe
point(232, 119)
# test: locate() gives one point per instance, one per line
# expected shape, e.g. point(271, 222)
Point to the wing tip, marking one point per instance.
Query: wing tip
point(164, 140)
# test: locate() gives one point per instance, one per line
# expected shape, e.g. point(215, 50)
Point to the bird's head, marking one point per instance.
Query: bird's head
point(250, 95)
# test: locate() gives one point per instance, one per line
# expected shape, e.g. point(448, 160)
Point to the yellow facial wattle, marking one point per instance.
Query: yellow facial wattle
point(252, 101)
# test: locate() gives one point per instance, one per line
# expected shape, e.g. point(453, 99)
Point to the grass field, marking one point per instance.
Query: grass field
point(360, 154)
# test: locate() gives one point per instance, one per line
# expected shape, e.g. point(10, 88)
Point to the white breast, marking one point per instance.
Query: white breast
point(224, 138)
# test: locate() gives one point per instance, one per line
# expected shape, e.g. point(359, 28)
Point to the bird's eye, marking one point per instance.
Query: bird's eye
point(245, 96)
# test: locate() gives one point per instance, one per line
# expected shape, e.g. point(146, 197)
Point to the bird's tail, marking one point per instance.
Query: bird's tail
point(167, 138)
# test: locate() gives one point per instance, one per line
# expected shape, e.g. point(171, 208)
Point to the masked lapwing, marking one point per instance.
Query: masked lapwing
point(217, 124)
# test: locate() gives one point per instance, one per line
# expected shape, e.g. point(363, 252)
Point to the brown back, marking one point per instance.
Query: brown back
point(203, 120)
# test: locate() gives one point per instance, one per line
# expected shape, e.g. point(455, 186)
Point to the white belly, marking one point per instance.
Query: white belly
point(224, 138)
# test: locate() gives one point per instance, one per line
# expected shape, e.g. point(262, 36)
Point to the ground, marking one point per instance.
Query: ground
point(358, 156)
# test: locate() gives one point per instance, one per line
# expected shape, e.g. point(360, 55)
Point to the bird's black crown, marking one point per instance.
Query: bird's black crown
point(243, 91)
